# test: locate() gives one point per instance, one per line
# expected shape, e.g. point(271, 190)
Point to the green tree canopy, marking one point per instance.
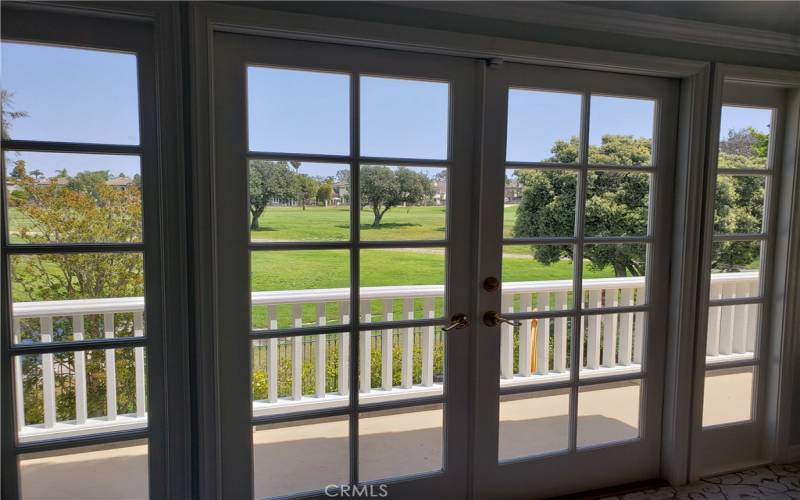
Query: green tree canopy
point(383, 188)
point(268, 180)
point(617, 202)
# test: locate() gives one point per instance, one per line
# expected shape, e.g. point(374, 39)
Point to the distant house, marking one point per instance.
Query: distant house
point(60, 181)
point(440, 192)
point(513, 191)
point(121, 183)
point(341, 193)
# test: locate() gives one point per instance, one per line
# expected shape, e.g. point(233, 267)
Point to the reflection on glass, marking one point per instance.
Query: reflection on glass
point(55, 296)
point(539, 203)
point(396, 443)
point(403, 118)
point(616, 203)
point(732, 330)
point(115, 471)
point(739, 204)
point(287, 371)
point(95, 99)
point(298, 201)
point(83, 392)
point(299, 288)
point(613, 266)
point(533, 424)
point(543, 126)
point(744, 137)
point(295, 111)
point(613, 342)
point(608, 413)
point(403, 203)
point(728, 396)
point(407, 361)
point(301, 456)
point(621, 131)
point(402, 283)
point(73, 198)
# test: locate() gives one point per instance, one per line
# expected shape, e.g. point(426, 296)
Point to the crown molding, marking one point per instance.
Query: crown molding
point(622, 22)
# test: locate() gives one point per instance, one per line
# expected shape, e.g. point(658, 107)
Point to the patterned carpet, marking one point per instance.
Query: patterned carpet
point(775, 482)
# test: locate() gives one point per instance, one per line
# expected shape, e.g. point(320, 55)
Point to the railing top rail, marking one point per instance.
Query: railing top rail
point(136, 304)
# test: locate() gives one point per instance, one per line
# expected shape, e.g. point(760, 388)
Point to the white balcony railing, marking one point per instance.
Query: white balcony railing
point(535, 353)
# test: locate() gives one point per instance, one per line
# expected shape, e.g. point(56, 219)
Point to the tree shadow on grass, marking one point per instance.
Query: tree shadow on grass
point(264, 229)
point(384, 225)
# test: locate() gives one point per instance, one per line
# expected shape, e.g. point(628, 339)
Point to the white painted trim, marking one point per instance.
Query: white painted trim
point(623, 22)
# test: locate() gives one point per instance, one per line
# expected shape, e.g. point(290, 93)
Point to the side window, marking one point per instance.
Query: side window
point(73, 166)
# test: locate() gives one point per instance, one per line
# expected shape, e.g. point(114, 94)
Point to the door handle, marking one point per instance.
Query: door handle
point(494, 318)
point(457, 322)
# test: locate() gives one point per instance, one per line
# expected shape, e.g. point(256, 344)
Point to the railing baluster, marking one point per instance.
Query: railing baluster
point(48, 376)
point(387, 308)
point(726, 321)
point(19, 391)
point(712, 336)
point(752, 319)
point(407, 347)
point(507, 340)
point(543, 335)
point(560, 337)
point(322, 347)
point(739, 341)
point(138, 353)
point(80, 372)
point(625, 328)
point(111, 368)
point(272, 352)
point(344, 350)
point(364, 348)
point(638, 329)
point(525, 339)
point(297, 353)
point(610, 329)
point(428, 338)
point(593, 334)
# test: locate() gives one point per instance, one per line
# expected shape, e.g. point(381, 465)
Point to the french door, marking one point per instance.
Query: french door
point(343, 199)
point(404, 311)
point(575, 203)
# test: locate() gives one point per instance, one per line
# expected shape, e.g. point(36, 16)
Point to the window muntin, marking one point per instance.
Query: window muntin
point(597, 210)
point(302, 346)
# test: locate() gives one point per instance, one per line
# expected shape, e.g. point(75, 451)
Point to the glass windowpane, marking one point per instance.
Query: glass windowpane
point(617, 203)
point(539, 203)
point(728, 396)
point(543, 126)
point(739, 204)
point(533, 424)
point(608, 413)
point(621, 131)
point(744, 137)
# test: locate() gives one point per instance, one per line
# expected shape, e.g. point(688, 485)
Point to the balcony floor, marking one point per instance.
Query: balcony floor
point(311, 454)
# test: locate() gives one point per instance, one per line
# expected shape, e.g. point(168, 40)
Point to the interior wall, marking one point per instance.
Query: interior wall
point(398, 13)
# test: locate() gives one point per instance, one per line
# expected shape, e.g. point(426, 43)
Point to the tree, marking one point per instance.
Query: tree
point(306, 188)
point(747, 144)
point(89, 182)
point(383, 188)
point(7, 113)
point(325, 192)
point(616, 203)
point(268, 180)
point(56, 213)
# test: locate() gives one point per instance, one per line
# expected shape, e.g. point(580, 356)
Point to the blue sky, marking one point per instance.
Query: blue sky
point(91, 96)
point(738, 117)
